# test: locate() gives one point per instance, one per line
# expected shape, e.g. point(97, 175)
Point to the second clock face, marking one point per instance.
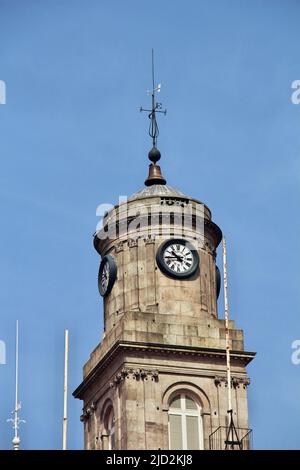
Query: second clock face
point(177, 258)
point(107, 275)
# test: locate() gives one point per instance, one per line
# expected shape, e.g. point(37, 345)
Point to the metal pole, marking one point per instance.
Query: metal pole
point(226, 325)
point(153, 117)
point(65, 390)
point(153, 83)
point(16, 439)
point(17, 375)
point(16, 419)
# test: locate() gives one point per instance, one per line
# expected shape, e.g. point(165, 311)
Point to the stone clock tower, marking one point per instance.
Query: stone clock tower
point(157, 380)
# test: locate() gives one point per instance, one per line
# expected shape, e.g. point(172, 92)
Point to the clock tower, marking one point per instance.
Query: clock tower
point(158, 378)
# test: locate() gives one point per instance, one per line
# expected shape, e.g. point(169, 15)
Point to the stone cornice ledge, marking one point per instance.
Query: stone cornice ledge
point(244, 356)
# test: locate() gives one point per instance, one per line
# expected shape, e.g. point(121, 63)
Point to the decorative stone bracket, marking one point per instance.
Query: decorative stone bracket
point(135, 374)
point(87, 413)
point(119, 247)
point(150, 240)
point(133, 242)
point(236, 382)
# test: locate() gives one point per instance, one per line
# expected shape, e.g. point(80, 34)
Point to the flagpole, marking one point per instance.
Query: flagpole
point(65, 390)
point(228, 367)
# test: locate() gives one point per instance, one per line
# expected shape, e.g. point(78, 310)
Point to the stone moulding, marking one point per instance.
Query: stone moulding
point(242, 356)
point(210, 229)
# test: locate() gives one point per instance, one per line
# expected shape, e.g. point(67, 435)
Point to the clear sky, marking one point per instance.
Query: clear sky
point(72, 137)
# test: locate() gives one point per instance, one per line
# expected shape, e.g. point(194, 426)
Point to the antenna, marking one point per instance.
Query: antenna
point(65, 390)
point(156, 108)
point(16, 420)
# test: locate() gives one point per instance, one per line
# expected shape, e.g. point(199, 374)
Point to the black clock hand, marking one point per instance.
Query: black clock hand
point(180, 258)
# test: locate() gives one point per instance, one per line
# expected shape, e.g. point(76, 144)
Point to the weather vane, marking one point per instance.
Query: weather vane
point(156, 108)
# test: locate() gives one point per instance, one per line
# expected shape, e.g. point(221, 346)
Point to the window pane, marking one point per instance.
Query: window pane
point(112, 440)
point(192, 431)
point(176, 403)
point(175, 432)
point(190, 404)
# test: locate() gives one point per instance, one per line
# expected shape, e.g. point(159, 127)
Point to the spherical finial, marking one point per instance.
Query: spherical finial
point(154, 155)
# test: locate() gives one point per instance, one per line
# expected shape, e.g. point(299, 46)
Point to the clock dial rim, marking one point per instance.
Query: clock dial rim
point(166, 269)
point(112, 273)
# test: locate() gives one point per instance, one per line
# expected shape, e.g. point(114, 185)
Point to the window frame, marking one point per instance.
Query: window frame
point(111, 431)
point(184, 412)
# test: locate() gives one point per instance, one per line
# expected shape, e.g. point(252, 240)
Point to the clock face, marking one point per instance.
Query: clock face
point(218, 281)
point(104, 277)
point(177, 258)
point(107, 275)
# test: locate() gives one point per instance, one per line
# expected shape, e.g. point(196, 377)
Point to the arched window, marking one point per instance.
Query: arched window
point(185, 423)
point(110, 427)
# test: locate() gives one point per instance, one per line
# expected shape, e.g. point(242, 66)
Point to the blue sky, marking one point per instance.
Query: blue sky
point(72, 138)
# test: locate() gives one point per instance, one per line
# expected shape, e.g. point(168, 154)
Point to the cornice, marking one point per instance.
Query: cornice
point(209, 228)
point(157, 349)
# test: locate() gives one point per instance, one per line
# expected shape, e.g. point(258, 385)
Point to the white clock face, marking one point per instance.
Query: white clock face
point(107, 275)
point(178, 258)
point(104, 277)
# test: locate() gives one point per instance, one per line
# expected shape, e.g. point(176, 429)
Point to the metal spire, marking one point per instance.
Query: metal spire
point(16, 420)
point(155, 176)
point(156, 108)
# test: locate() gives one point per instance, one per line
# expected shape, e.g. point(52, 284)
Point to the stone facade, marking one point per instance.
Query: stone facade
point(162, 335)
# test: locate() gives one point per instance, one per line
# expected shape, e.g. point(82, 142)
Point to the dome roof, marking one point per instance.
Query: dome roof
point(157, 190)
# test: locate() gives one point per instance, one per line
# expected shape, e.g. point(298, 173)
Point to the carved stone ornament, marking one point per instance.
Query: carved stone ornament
point(134, 374)
point(236, 382)
point(88, 412)
point(150, 240)
point(173, 202)
point(119, 247)
point(132, 242)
